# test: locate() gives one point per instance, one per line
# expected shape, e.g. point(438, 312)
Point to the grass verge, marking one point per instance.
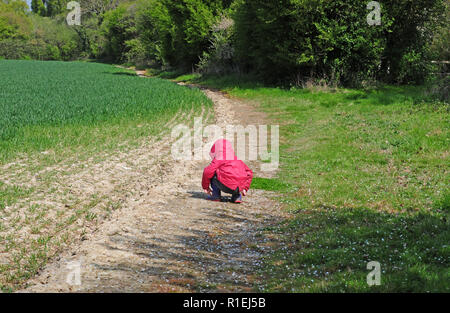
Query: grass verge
point(365, 173)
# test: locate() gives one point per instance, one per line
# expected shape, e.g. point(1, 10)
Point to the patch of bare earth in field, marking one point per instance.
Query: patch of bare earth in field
point(166, 237)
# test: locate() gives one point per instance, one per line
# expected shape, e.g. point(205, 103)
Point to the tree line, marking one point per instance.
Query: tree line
point(284, 41)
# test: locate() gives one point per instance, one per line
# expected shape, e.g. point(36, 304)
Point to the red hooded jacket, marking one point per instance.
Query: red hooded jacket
point(230, 171)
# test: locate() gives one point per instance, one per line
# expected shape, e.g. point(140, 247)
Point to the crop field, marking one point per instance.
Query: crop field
point(56, 120)
point(46, 105)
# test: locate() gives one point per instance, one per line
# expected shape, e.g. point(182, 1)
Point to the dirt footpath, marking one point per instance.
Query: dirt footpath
point(167, 237)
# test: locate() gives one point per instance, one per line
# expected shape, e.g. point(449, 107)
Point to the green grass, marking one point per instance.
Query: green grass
point(270, 184)
point(365, 174)
point(48, 105)
point(9, 194)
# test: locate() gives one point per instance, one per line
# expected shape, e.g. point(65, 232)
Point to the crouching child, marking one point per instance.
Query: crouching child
point(226, 173)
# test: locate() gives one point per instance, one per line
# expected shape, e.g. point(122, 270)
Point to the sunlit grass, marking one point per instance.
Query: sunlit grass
point(48, 105)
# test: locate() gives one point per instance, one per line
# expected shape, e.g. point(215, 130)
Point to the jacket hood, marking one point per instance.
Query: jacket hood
point(222, 150)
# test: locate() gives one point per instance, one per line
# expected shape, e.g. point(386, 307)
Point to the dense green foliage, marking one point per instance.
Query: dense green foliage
point(118, 27)
point(28, 36)
point(178, 32)
point(47, 104)
point(287, 41)
point(49, 7)
point(298, 39)
point(191, 22)
point(14, 22)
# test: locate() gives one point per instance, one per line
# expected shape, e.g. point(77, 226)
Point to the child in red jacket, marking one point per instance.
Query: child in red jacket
point(226, 173)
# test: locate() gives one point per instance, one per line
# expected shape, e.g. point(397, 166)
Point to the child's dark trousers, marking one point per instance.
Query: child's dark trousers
point(217, 187)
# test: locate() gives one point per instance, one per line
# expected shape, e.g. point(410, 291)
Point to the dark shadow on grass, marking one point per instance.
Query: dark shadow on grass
point(386, 95)
point(330, 248)
point(122, 73)
point(227, 82)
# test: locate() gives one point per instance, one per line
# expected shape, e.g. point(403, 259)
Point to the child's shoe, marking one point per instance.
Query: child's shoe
point(237, 199)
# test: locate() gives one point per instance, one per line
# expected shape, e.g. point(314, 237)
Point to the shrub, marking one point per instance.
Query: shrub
point(118, 26)
point(191, 22)
point(291, 40)
point(153, 23)
point(62, 40)
point(53, 53)
point(408, 38)
point(414, 68)
point(48, 39)
point(136, 53)
point(21, 49)
point(219, 59)
point(439, 89)
point(440, 47)
point(14, 22)
point(177, 32)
